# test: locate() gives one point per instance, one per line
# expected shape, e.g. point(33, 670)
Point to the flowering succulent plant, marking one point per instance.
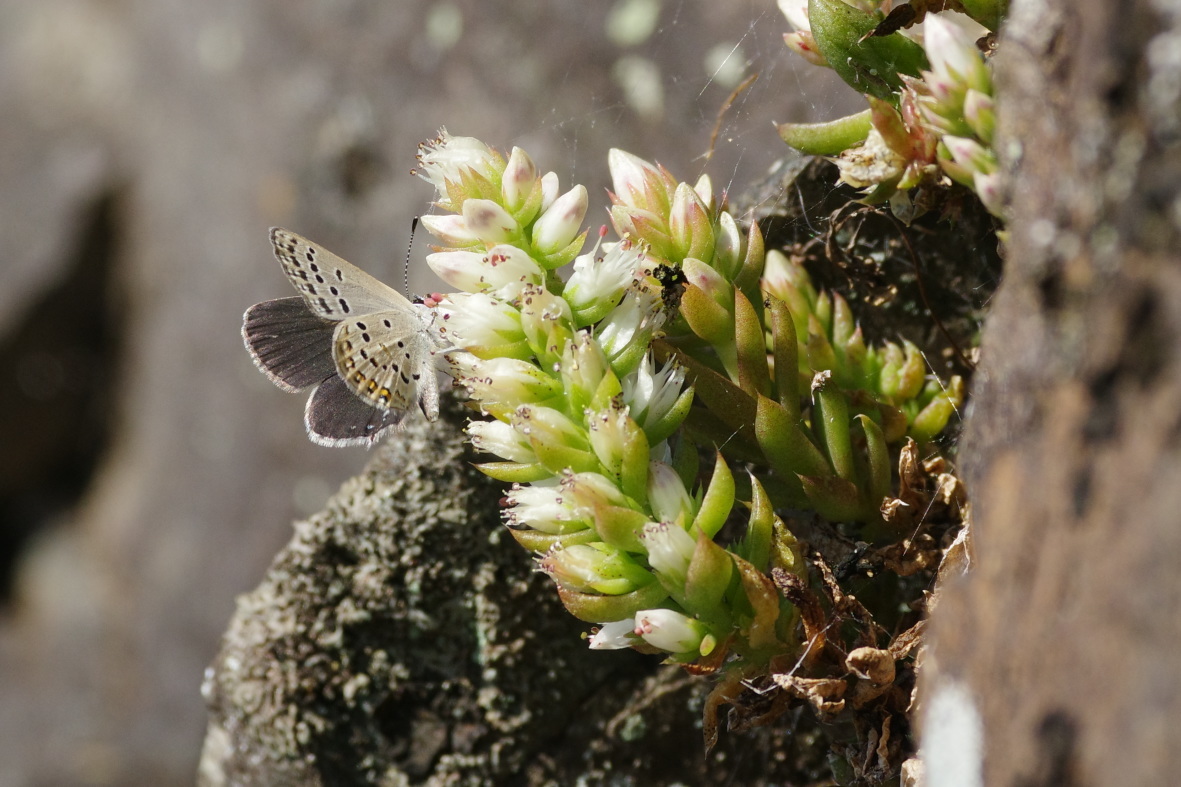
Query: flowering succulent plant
point(656, 399)
point(931, 115)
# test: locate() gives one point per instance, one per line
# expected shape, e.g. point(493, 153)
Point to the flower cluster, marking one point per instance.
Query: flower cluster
point(930, 94)
point(618, 396)
point(955, 98)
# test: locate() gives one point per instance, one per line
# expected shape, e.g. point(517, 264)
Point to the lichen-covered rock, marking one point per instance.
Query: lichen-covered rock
point(400, 635)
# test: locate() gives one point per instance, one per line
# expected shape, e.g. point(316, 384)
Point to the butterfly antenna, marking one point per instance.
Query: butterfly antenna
point(406, 267)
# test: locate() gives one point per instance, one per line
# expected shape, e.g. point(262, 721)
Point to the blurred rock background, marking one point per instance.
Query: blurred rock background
point(148, 473)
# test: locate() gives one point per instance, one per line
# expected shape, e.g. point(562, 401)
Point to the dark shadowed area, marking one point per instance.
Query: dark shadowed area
point(148, 472)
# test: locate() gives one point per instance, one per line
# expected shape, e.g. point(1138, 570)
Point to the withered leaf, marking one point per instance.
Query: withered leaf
point(910, 14)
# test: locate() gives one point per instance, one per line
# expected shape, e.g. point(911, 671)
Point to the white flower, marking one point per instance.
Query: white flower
point(543, 505)
point(445, 158)
point(476, 319)
point(632, 322)
point(649, 393)
point(670, 549)
point(504, 380)
point(501, 267)
point(614, 636)
point(796, 12)
point(601, 275)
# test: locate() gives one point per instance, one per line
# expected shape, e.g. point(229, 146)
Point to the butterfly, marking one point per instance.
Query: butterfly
point(367, 353)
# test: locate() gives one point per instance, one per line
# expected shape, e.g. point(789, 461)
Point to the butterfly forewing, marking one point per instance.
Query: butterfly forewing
point(332, 288)
point(292, 346)
point(386, 359)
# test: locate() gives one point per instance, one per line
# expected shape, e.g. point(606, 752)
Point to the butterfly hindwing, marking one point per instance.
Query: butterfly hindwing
point(332, 288)
point(387, 359)
point(335, 417)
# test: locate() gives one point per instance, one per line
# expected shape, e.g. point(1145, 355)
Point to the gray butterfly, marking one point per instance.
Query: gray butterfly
point(368, 352)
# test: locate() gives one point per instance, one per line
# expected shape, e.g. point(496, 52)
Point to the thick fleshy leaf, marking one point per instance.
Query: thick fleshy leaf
point(594, 608)
point(830, 422)
point(784, 443)
point(869, 65)
point(828, 138)
point(707, 578)
point(878, 486)
point(834, 498)
point(718, 500)
point(751, 344)
point(541, 543)
point(764, 600)
point(786, 350)
point(514, 472)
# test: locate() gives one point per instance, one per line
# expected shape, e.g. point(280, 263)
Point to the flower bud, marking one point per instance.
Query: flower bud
point(802, 43)
point(673, 632)
point(645, 228)
point(667, 495)
point(639, 184)
point(588, 492)
point(561, 222)
point(582, 368)
point(689, 225)
point(953, 54)
point(506, 381)
point(497, 437)
point(594, 568)
point(704, 188)
point(970, 155)
point(547, 322)
point(489, 222)
point(796, 13)
point(449, 228)
point(545, 425)
point(980, 113)
point(988, 188)
point(520, 175)
point(549, 189)
point(611, 433)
